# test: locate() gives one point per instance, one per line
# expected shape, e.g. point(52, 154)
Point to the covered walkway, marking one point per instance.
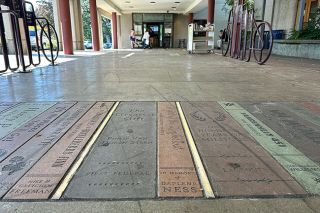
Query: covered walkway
point(161, 131)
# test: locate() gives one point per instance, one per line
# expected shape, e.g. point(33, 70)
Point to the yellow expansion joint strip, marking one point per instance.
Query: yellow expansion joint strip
point(196, 157)
point(65, 182)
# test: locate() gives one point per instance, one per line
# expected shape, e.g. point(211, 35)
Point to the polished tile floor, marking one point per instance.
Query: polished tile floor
point(165, 75)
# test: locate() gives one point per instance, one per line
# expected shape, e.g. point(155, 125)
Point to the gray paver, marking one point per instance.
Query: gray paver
point(6, 106)
point(300, 132)
point(122, 163)
point(20, 161)
point(236, 164)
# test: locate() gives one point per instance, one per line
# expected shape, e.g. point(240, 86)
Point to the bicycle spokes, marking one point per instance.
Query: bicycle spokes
point(252, 37)
point(262, 43)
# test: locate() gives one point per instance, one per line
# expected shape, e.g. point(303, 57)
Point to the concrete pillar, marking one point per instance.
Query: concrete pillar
point(76, 24)
point(114, 30)
point(211, 5)
point(94, 25)
point(190, 18)
point(57, 20)
point(66, 26)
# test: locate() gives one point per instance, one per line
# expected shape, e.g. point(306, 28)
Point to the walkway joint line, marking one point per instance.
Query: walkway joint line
point(65, 182)
point(196, 157)
point(129, 55)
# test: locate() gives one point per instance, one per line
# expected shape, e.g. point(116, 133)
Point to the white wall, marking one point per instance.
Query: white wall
point(220, 18)
point(124, 29)
point(203, 14)
point(180, 29)
point(284, 14)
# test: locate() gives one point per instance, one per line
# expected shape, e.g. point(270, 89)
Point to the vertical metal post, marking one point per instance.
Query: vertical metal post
point(263, 10)
point(301, 14)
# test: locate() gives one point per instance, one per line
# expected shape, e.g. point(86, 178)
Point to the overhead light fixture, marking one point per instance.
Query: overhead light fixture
point(127, 2)
point(177, 2)
point(152, 2)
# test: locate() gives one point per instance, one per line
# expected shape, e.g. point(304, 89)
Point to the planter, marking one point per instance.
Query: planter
point(297, 48)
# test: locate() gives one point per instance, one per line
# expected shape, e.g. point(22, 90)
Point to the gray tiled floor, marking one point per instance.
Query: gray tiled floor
point(162, 75)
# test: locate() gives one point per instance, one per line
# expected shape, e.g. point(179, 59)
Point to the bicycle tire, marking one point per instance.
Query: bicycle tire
point(263, 56)
point(225, 43)
point(53, 32)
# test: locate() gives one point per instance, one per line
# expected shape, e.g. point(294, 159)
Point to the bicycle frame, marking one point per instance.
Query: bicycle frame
point(254, 26)
point(241, 23)
point(34, 24)
point(17, 40)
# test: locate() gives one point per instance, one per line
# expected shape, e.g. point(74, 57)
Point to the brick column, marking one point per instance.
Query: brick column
point(64, 8)
point(211, 5)
point(114, 30)
point(190, 18)
point(94, 25)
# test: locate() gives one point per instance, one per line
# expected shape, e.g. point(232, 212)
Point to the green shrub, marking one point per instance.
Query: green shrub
point(311, 31)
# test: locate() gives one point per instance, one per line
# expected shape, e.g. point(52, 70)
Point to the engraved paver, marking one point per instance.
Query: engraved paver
point(304, 170)
point(18, 163)
point(177, 174)
point(315, 107)
point(6, 106)
point(13, 118)
point(41, 180)
point(21, 135)
point(301, 111)
point(236, 165)
point(304, 135)
point(122, 163)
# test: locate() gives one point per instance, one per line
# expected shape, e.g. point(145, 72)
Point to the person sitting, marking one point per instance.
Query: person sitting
point(222, 38)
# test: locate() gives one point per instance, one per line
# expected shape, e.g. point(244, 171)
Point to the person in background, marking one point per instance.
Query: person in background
point(146, 39)
point(132, 38)
point(221, 36)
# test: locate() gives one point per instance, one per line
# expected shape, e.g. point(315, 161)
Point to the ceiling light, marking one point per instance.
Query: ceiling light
point(152, 2)
point(177, 2)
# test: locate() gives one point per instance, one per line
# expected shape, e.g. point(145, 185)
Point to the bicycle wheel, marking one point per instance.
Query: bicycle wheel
point(262, 43)
point(226, 40)
point(49, 42)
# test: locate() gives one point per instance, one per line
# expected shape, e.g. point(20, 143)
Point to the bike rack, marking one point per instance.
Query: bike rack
point(18, 10)
point(241, 21)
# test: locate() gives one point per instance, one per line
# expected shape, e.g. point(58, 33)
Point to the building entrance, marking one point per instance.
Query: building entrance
point(161, 26)
point(156, 34)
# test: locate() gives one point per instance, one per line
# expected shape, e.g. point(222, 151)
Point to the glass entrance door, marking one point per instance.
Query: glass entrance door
point(155, 34)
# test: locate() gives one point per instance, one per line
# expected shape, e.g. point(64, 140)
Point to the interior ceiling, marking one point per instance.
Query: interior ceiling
point(144, 6)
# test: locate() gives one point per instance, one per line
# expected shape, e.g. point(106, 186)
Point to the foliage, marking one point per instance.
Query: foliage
point(106, 30)
point(247, 3)
point(311, 31)
point(86, 20)
point(45, 9)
